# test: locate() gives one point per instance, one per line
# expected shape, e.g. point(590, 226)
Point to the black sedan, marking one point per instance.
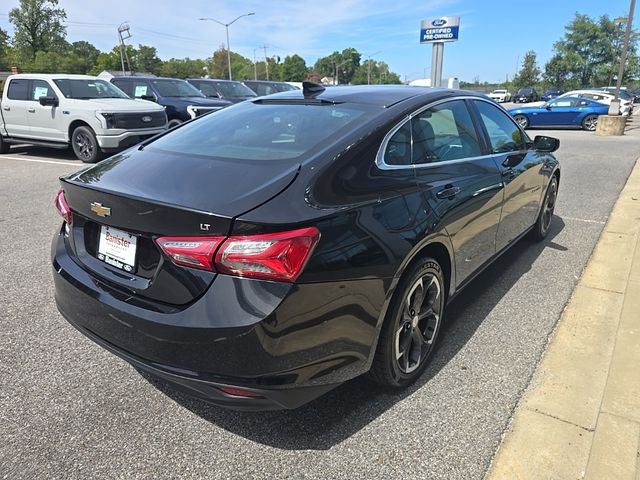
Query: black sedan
point(261, 255)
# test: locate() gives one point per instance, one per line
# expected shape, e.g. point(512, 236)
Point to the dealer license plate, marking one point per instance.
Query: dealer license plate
point(117, 248)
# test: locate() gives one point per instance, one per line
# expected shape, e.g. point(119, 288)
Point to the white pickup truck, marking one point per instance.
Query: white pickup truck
point(500, 95)
point(90, 114)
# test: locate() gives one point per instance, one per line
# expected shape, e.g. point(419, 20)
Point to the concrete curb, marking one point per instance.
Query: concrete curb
point(580, 416)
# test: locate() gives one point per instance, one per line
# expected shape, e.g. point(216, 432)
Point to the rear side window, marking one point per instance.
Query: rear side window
point(18, 89)
point(444, 132)
point(262, 131)
point(398, 149)
point(504, 134)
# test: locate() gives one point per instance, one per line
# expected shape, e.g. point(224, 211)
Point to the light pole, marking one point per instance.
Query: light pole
point(226, 26)
point(369, 65)
point(336, 67)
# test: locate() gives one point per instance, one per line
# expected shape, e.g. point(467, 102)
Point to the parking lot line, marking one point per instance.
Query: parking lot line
point(22, 159)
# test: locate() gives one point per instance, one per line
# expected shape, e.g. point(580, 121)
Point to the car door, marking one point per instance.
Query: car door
point(520, 170)
point(461, 184)
point(44, 121)
point(562, 111)
point(14, 108)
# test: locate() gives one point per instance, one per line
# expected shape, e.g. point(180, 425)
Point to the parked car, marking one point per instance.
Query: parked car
point(266, 87)
point(89, 114)
point(561, 112)
point(181, 100)
point(526, 95)
point(500, 95)
point(551, 94)
point(601, 96)
point(270, 251)
point(226, 89)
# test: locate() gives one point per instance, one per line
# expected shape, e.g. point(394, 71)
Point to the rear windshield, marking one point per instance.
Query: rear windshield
point(252, 131)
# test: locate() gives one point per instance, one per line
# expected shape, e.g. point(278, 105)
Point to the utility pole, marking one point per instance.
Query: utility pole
point(369, 65)
point(625, 47)
point(255, 65)
point(266, 60)
point(123, 34)
point(226, 26)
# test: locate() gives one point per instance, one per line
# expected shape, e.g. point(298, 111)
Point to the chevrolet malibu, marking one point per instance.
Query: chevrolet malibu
point(259, 256)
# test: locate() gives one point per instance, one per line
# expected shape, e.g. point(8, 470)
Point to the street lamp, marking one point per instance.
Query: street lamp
point(226, 26)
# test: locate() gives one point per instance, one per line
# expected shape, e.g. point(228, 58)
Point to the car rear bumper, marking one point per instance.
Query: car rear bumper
point(284, 342)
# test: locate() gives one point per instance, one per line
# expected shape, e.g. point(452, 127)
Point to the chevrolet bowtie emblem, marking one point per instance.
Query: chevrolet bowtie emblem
point(99, 210)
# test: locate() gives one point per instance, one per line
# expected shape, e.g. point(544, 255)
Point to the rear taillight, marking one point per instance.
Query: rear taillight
point(194, 252)
point(272, 256)
point(62, 206)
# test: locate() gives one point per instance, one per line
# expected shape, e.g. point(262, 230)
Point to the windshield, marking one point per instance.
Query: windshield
point(233, 89)
point(251, 131)
point(525, 91)
point(87, 89)
point(175, 88)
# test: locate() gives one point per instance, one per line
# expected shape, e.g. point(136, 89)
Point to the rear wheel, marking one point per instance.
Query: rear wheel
point(590, 122)
point(522, 120)
point(411, 327)
point(541, 228)
point(85, 145)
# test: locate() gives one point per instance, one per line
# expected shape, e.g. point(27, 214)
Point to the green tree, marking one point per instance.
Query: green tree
point(589, 52)
point(4, 50)
point(341, 64)
point(147, 60)
point(86, 55)
point(183, 68)
point(218, 65)
point(529, 74)
point(38, 26)
point(294, 69)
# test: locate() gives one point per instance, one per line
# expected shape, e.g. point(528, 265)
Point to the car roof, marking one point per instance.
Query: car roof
point(143, 77)
point(219, 80)
point(381, 95)
point(54, 76)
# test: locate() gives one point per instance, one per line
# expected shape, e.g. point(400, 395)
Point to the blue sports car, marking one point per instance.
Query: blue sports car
point(561, 112)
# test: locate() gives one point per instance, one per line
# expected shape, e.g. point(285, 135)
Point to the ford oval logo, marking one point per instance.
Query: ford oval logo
point(146, 119)
point(439, 22)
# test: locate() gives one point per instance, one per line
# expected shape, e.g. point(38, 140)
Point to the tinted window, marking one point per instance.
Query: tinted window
point(123, 85)
point(504, 134)
point(398, 149)
point(18, 89)
point(444, 132)
point(262, 132)
point(40, 88)
point(140, 88)
point(233, 89)
point(175, 88)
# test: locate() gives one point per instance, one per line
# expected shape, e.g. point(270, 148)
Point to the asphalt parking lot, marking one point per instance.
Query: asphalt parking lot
point(68, 409)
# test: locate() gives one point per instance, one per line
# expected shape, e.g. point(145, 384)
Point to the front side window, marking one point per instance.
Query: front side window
point(141, 89)
point(18, 89)
point(444, 132)
point(40, 88)
point(504, 134)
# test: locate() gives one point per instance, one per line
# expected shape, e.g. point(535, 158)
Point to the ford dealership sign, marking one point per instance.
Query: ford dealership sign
point(441, 29)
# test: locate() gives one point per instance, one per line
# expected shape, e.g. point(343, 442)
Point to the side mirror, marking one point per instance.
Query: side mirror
point(151, 98)
point(546, 144)
point(49, 101)
point(547, 106)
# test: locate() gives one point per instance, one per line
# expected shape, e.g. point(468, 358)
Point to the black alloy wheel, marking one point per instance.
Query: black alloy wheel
point(411, 327)
point(85, 145)
point(541, 227)
point(590, 122)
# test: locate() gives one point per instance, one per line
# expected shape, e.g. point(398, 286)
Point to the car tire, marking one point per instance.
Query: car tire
point(521, 120)
point(543, 222)
point(411, 326)
point(174, 123)
point(590, 122)
point(4, 146)
point(85, 145)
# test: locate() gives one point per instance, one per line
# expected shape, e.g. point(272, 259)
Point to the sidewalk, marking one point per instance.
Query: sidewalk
point(580, 416)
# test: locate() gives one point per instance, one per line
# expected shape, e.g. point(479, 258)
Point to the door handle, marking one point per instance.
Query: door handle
point(508, 173)
point(449, 191)
point(6, 107)
point(31, 110)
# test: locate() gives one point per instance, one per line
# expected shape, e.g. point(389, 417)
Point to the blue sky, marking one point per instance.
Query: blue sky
point(494, 34)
